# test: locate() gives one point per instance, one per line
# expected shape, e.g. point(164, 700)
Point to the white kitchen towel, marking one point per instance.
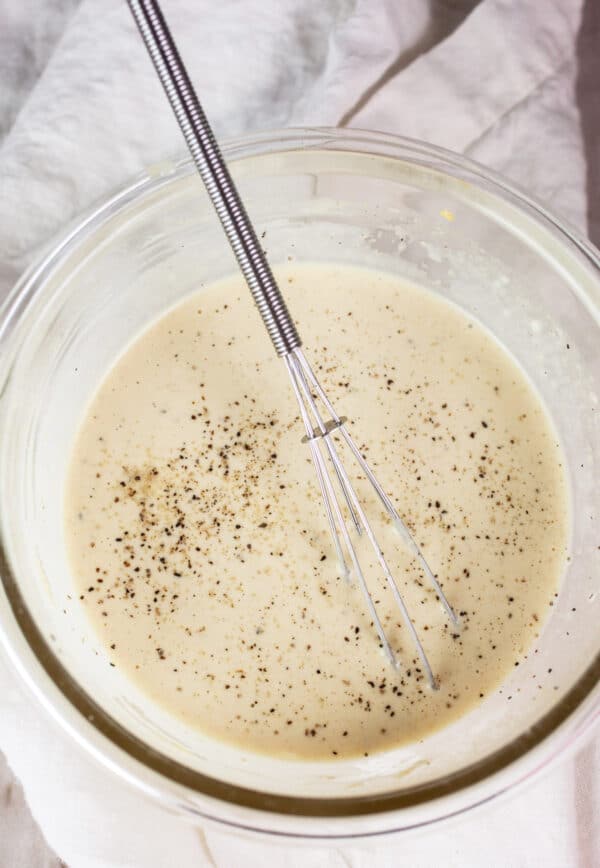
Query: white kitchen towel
point(507, 81)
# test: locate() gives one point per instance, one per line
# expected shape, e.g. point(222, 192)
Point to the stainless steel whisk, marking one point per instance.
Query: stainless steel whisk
point(320, 425)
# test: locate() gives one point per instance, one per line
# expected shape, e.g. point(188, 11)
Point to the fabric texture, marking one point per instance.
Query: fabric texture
point(514, 84)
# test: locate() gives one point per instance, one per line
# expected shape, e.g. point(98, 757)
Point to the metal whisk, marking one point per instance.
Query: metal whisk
point(320, 425)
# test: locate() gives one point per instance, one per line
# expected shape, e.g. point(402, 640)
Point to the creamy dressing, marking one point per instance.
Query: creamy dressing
point(201, 552)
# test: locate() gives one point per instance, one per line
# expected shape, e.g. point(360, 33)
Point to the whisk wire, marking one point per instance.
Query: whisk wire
point(322, 476)
point(401, 527)
point(302, 376)
point(303, 395)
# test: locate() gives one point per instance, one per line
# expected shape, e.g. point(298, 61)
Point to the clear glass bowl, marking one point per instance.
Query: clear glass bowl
point(349, 197)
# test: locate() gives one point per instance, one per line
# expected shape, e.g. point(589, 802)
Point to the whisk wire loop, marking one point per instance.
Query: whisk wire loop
point(304, 382)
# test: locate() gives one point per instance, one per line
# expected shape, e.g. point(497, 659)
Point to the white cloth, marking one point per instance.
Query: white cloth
point(507, 81)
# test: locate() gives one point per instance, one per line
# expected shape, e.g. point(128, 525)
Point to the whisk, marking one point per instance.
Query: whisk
point(343, 508)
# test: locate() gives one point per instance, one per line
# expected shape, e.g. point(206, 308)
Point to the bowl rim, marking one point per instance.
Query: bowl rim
point(75, 709)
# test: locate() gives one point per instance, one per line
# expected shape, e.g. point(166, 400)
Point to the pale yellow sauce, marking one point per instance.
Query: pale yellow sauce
point(199, 544)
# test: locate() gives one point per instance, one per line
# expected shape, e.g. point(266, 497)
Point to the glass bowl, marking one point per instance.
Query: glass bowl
point(320, 195)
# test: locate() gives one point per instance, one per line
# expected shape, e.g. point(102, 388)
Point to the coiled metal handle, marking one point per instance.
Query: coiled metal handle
point(215, 174)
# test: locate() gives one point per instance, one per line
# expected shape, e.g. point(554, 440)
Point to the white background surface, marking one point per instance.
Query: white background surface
point(514, 84)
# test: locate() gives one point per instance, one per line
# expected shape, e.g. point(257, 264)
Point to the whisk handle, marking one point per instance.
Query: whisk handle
point(215, 175)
